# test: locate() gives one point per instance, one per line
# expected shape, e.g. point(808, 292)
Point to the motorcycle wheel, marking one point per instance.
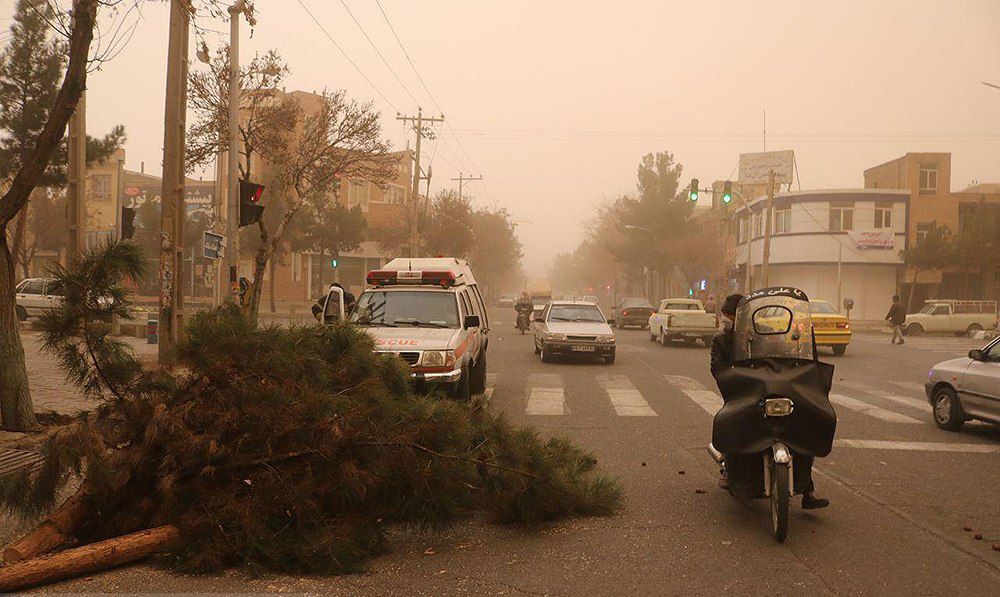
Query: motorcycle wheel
point(779, 501)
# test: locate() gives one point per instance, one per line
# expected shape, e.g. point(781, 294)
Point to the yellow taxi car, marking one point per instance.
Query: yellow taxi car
point(830, 327)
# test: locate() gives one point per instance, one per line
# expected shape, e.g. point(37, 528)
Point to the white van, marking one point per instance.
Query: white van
point(431, 313)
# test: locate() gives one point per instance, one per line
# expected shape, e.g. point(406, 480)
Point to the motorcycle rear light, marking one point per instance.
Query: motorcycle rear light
point(778, 407)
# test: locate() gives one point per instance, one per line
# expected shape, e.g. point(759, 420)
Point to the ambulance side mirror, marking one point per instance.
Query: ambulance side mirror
point(471, 321)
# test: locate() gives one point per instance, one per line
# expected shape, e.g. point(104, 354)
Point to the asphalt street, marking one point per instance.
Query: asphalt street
point(902, 491)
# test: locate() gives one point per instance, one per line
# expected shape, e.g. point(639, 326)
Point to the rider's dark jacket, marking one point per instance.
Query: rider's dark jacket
point(524, 304)
point(722, 349)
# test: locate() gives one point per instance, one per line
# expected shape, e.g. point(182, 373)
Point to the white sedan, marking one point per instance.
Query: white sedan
point(573, 328)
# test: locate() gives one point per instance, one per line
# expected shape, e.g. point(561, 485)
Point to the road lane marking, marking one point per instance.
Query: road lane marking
point(684, 382)
point(708, 400)
point(546, 396)
point(916, 403)
point(871, 410)
point(909, 385)
point(877, 444)
point(625, 397)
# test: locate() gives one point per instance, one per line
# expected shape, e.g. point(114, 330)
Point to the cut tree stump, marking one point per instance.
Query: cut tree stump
point(87, 559)
point(54, 532)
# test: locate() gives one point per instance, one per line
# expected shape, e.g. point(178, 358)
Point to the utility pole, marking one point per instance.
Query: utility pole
point(232, 262)
point(418, 127)
point(769, 214)
point(172, 191)
point(76, 192)
point(462, 179)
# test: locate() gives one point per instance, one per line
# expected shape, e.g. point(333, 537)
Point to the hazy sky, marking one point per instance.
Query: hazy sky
point(555, 102)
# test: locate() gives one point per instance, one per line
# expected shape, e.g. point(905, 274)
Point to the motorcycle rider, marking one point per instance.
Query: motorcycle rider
point(320, 304)
point(722, 358)
point(524, 307)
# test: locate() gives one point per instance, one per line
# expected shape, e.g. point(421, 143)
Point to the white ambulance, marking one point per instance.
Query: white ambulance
point(429, 312)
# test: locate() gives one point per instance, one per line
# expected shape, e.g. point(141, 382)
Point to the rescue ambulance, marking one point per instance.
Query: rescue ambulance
point(431, 313)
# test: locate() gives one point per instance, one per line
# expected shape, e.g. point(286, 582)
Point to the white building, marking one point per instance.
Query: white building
point(832, 244)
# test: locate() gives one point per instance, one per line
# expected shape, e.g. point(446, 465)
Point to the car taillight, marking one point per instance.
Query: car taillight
point(625, 313)
point(843, 325)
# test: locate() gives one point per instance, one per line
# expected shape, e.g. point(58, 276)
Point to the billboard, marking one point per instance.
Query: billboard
point(754, 167)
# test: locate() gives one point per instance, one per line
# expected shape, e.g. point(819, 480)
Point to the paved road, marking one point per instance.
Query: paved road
point(901, 490)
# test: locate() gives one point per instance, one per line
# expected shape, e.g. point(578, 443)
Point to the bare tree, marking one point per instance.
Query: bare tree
point(341, 138)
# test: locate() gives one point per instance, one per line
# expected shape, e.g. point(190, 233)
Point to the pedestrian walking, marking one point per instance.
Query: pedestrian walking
point(710, 306)
point(896, 317)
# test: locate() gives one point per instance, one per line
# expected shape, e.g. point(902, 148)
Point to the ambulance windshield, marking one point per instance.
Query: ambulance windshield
point(402, 308)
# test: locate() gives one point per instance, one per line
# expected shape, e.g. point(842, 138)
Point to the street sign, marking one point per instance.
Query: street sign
point(754, 167)
point(215, 245)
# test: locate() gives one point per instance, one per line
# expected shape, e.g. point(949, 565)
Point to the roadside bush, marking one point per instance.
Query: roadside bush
point(285, 449)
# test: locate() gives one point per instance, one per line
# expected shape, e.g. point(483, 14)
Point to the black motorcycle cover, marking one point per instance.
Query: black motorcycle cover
point(741, 427)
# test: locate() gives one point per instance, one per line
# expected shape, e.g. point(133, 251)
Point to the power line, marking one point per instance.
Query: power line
point(377, 51)
point(346, 57)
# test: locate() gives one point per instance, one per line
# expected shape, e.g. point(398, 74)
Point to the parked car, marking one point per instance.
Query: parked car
point(573, 328)
point(507, 300)
point(682, 319)
point(966, 388)
point(632, 312)
point(34, 296)
point(959, 317)
point(830, 327)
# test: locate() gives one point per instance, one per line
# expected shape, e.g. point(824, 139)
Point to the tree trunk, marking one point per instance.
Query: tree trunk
point(16, 410)
point(55, 531)
point(322, 269)
point(17, 245)
point(913, 291)
point(271, 290)
point(87, 559)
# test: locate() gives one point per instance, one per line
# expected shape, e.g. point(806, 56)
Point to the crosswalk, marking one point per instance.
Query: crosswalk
point(546, 395)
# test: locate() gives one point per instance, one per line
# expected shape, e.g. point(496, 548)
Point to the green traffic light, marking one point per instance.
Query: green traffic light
point(693, 195)
point(727, 198)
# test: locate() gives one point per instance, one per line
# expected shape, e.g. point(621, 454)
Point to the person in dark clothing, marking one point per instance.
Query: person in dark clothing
point(320, 304)
point(524, 308)
point(896, 318)
point(722, 342)
point(723, 345)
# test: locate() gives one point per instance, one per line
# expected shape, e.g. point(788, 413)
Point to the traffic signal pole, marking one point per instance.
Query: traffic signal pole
point(767, 225)
point(231, 273)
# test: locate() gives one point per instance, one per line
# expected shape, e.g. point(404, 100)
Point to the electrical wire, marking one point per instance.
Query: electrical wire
point(379, 52)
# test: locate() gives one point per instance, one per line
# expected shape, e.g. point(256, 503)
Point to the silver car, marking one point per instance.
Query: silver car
point(966, 388)
point(573, 328)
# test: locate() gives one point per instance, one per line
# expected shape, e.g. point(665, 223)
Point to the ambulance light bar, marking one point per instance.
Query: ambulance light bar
point(389, 277)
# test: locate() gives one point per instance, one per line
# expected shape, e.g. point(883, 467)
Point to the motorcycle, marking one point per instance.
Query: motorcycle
point(777, 414)
point(523, 320)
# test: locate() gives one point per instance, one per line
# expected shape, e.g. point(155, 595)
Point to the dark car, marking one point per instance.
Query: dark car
point(632, 312)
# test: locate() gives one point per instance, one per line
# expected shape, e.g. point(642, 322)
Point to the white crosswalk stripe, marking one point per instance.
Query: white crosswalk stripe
point(876, 444)
point(708, 400)
point(871, 410)
point(910, 386)
point(546, 395)
point(916, 403)
point(625, 397)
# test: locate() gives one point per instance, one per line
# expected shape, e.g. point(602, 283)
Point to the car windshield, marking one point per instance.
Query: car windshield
point(822, 308)
point(635, 302)
point(576, 313)
point(400, 308)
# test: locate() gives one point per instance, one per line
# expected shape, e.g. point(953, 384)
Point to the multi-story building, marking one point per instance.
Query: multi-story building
point(833, 244)
point(926, 178)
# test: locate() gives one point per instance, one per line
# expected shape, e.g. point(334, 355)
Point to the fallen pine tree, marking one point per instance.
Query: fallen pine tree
point(282, 449)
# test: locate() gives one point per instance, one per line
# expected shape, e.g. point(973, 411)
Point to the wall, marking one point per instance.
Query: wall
point(871, 286)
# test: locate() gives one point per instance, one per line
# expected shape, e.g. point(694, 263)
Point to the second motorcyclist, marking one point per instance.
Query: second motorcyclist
point(524, 308)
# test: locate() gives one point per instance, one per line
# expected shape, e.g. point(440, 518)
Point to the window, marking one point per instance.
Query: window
point(923, 229)
point(757, 228)
point(883, 214)
point(357, 194)
point(100, 187)
point(395, 194)
point(841, 217)
point(296, 267)
point(743, 231)
point(33, 287)
point(783, 220)
point(928, 179)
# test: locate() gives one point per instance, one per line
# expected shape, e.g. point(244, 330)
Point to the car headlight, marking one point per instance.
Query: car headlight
point(438, 358)
point(606, 338)
point(555, 336)
point(930, 374)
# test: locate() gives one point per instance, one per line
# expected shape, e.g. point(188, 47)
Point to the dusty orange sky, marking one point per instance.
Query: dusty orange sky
point(555, 102)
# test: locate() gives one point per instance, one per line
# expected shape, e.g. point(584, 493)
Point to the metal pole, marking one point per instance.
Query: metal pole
point(76, 195)
point(414, 234)
point(233, 208)
point(172, 190)
point(769, 212)
point(840, 263)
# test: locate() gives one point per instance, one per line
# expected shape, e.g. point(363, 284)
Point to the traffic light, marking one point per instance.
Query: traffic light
point(727, 192)
point(128, 223)
point(693, 191)
point(250, 211)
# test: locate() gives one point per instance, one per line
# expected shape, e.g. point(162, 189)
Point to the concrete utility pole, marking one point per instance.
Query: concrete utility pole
point(418, 127)
point(462, 179)
point(231, 273)
point(769, 214)
point(76, 191)
point(172, 192)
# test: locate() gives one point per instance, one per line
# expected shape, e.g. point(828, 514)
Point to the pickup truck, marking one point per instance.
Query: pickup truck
point(682, 319)
point(959, 317)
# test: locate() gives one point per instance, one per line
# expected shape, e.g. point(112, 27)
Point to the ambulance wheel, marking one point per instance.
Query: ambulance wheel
point(462, 390)
point(479, 375)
